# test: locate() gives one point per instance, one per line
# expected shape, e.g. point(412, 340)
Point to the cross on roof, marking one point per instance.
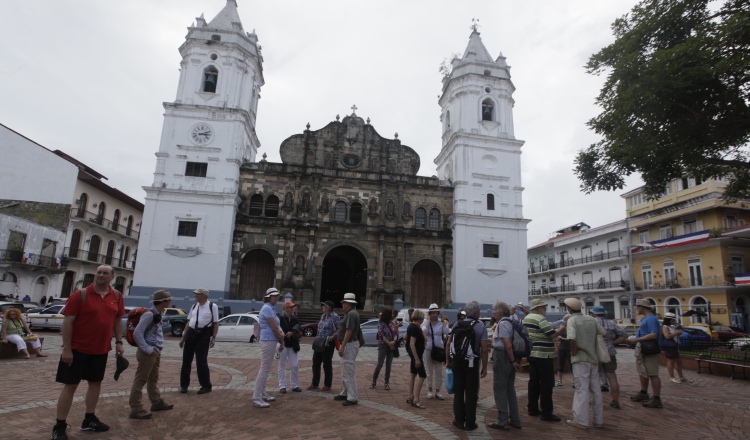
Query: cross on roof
point(474, 24)
point(354, 108)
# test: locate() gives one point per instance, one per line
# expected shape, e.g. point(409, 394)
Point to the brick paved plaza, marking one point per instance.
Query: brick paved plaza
point(711, 407)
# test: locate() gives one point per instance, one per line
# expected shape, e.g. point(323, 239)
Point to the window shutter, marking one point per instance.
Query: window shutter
point(680, 230)
point(678, 183)
point(724, 222)
point(699, 225)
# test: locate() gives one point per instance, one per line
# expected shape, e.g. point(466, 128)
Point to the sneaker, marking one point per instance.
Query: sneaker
point(268, 398)
point(204, 390)
point(640, 397)
point(675, 380)
point(297, 390)
point(260, 404)
point(161, 405)
point(575, 424)
point(470, 427)
point(183, 390)
point(339, 397)
point(140, 414)
point(438, 396)
point(276, 355)
point(614, 404)
point(599, 425)
point(653, 403)
point(550, 418)
point(350, 402)
point(686, 380)
point(430, 395)
point(312, 387)
point(282, 390)
point(94, 424)
point(58, 431)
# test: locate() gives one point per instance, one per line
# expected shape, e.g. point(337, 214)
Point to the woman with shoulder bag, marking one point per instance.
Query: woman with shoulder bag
point(14, 328)
point(287, 322)
point(329, 322)
point(434, 358)
point(387, 337)
point(669, 342)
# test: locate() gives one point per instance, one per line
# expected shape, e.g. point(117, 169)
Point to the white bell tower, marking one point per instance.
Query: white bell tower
point(208, 133)
point(481, 157)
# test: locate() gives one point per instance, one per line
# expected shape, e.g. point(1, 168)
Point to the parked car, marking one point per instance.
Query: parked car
point(28, 305)
point(630, 329)
point(706, 329)
point(237, 327)
point(172, 311)
point(5, 305)
point(309, 329)
point(739, 344)
point(692, 337)
point(370, 333)
point(175, 324)
point(49, 318)
point(726, 333)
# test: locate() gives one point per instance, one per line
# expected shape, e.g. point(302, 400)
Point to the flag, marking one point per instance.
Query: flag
point(680, 240)
point(742, 278)
point(27, 257)
point(58, 262)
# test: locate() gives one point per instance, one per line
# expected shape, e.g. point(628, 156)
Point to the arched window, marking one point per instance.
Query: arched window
point(110, 252)
point(256, 205)
point(100, 214)
point(490, 202)
point(420, 217)
point(210, 79)
point(129, 227)
point(700, 305)
point(116, 220)
point(434, 218)
point(672, 305)
point(355, 215)
point(83, 202)
point(272, 206)
point(125, 257)
point(488, 110)
point(119, 284)
point(339, 214)
point(94, 243)
point(75, 244)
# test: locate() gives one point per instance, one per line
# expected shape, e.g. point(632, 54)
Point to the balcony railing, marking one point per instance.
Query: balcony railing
point(110, 260)
point(686, 282)
point(599, 256)
point(99, 220)
point(21, 257)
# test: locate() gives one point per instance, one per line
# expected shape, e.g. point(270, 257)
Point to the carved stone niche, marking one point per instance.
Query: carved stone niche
point(388, 270)
point(372, 208)
point(390, 209)
point(407, 211)
point(323, 204)
point(288, 202)
point(299, 265)
point(305, 205)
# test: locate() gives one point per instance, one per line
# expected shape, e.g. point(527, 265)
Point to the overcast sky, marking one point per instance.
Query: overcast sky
point(89, 77)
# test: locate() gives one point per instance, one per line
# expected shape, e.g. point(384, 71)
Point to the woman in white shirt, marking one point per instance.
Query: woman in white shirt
point(436, 331)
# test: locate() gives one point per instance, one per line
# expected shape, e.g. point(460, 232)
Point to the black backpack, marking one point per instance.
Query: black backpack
point(463, 342)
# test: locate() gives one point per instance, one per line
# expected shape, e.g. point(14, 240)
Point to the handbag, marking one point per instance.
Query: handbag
point(31, 337)
point(437, 354)
point(320, 344)
point(449, 380)
point(602, 352)
point(650, 347)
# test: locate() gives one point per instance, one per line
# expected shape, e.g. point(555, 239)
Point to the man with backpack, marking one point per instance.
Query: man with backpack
point(505, 363)
point(90, 315)
point(467, 342)
point(541, 361)
point(149, 338)
point(198, 337)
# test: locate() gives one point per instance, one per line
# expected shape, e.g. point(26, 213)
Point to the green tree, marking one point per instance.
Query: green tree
point(676, 100)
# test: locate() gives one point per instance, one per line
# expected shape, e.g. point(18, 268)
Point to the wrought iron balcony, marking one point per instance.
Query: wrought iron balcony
point(599, 256)
point(97, 219)
point(92, 257)
point(28, 258)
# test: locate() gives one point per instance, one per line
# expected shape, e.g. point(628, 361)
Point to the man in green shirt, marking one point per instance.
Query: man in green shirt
point(349, 338)
point(541, 361)
point(582, 333)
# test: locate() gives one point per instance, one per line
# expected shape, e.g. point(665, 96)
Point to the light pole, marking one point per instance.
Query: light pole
point(632, 274)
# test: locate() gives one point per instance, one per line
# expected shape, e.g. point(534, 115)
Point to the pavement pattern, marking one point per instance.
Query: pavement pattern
point(711, 407)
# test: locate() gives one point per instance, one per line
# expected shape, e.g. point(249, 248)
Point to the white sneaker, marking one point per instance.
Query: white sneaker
point(438, 395)
point(429, 394)
point(268, 398)
point(260, 404)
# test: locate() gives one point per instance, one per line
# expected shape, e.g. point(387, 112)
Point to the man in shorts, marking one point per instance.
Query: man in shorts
point(647, 364)
point(90, 315)
point(615, 335)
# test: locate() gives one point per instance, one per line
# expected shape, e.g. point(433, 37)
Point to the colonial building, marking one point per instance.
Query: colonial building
point(689, 250)
point(344, 211)
point(59, 220)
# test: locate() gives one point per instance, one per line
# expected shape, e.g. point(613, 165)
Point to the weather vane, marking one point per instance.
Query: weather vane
point(475, 25)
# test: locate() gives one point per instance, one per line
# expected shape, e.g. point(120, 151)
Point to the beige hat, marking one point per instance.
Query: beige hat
point(161, 295)
point(644, 303)
point(272, 292)
point(350, 298)
point(536, 303)
point(670, 315)
point(201, 291)
point(573, 303)
point(434, 308)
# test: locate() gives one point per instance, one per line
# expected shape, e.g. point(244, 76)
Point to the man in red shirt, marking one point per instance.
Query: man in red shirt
point(91, 314)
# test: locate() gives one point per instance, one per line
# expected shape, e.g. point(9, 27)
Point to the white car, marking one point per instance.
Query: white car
point(237, 327)
point(47, 318)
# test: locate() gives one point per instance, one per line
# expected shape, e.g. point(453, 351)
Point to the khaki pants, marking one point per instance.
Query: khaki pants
point(347, 371)
point(588, 390)
point(146, 374)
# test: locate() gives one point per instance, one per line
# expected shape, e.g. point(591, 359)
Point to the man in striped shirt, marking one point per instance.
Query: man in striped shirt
point(541, 361)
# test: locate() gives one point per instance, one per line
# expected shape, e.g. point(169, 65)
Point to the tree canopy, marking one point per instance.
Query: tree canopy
point(676, 99)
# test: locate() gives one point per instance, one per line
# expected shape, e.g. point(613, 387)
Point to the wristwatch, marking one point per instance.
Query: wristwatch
point(118, 342)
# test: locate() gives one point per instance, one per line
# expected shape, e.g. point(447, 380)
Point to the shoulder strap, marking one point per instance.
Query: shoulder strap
point(83, 295)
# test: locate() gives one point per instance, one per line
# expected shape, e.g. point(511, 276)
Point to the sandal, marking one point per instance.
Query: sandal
point(559, 383)
point(410, 400)
point(498, 426)
point(372, 386)
point(417, 404)
point(387, 387)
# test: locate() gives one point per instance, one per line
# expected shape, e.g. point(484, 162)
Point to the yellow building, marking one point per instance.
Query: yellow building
point(689, 247)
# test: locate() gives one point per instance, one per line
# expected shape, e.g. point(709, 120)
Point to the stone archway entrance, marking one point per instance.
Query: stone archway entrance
point(257, 274)
point(426, 284)
point(344, 270)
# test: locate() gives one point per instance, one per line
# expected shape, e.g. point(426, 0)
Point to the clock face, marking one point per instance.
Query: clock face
point(202, 134)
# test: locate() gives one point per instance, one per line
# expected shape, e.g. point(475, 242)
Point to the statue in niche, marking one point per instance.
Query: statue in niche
point(389, 269)
point(374, 164)
point(324, 203)
point(352, 130)
point(329, 161)
point(288, 200)
point(407, 209)
point(306, 201)
point(391, 208)
point(299, 265)
point(373, 206)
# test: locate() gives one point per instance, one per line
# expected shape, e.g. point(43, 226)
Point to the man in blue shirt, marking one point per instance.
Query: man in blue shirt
point(150, 340)
point(648, 364)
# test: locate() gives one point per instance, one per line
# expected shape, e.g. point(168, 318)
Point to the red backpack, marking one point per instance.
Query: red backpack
point(134, 317)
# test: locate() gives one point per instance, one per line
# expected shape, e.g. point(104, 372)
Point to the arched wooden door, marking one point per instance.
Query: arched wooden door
point(257, 274)
point(426, 284)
